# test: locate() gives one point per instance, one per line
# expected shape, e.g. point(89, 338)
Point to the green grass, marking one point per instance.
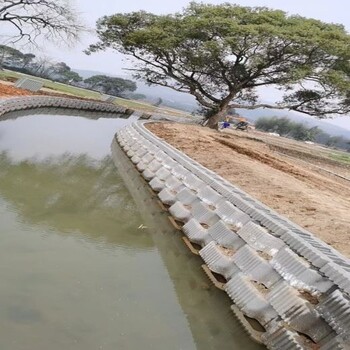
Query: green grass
point(80, 92)
point(341, 157)
point(8, 74)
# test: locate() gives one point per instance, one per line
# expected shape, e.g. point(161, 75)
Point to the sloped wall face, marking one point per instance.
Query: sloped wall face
point(23, 103)
point(294, 285)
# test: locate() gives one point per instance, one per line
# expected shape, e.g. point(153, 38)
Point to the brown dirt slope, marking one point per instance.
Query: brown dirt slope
point(295, 186)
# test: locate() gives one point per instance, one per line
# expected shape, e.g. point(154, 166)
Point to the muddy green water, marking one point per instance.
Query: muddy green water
point(76, 269)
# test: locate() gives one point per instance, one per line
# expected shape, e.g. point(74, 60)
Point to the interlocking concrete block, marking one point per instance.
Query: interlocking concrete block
point(135, 159)
point(196, 233)
point(180, 212)
point(217, 261)
point(141, 166)
point(334, 342)
point(231, 215)
point(209, 196)
point(186, 196)
point(299, 313)
point(283, 339)
point(172, 187)
point(139, 155)
point(274, 226)
point(157, 184)
point(169, 163)
point(305, 249)
point(179, 171)
point(167, 196)
point(151, 169)
point(163, 173)
point(255, 266)
point(197, 210)
point(161, 156)
point(258, 238)
point(193, 182)
point(261, 262)
point(339, 276)
point(248, 299)
point(203, 214)
point(335, 309)
point(174, 184)
point(298, 272)
point(225, 237)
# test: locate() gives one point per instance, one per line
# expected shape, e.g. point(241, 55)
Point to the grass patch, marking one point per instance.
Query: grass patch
point(8, 74)
point(81, 92)
point(341, 157)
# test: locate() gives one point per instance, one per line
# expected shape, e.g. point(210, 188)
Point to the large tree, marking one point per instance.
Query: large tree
point(29, 19)
point(110, 85)
point(222, 54)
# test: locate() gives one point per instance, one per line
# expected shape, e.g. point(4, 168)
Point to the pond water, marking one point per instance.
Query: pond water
point(76, 269)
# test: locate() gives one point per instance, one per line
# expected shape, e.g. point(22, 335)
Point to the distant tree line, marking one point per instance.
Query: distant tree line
point(299, 131)
point(44, 67)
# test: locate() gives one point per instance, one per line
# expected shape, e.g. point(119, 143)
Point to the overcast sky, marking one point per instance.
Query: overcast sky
point(334, 11)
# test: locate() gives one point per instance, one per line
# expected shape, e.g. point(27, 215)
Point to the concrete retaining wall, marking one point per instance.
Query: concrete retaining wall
point(30, 102)
point(277, 273)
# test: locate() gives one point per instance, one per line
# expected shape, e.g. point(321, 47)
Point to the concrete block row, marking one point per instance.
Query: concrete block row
point(22, 103)
point(275, 272)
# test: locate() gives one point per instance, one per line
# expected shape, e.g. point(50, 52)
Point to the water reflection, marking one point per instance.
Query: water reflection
point(75, 270)
point(73, 194)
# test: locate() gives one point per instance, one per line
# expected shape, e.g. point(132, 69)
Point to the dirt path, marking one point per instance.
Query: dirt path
point(281, 173)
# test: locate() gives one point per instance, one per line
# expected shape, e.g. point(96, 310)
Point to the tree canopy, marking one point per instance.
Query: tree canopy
point(286, 127)
point(222, 54)
point(110, 85)
point(29, 19)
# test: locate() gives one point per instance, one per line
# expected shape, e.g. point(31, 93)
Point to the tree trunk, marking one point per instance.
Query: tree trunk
point(218, 117)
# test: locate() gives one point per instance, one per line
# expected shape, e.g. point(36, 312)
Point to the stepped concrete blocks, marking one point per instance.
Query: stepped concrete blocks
point(297, 312)
point(255, 266)
point(180, 172)
point(283, 339)
point(193, 182)
point(335, 309)
point(249, 300)
point(298, 272)
point(209, 196)
point(196, 233)
point(225, 237)
point(163, 174)
point(339, 276)
point(157, 184)
point(217, 261)
point(231, 215)
point(259, 239)
point(276, 272)
point(180, 212)
point(186, 196)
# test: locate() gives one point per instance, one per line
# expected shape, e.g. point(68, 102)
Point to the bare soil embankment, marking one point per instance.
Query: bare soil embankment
point(291, 177)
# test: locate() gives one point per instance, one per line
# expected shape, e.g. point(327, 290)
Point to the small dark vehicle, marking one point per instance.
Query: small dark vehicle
point(242, 126)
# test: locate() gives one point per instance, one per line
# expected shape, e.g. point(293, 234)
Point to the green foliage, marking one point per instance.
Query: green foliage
point(286, 127)
point(222, 53)
point(42, 67)
point(12, 56)
point(301, 132)
point(110, 85)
